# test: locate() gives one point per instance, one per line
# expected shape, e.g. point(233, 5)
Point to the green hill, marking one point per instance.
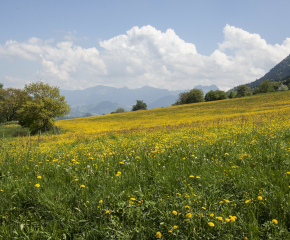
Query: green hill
point(279, 72)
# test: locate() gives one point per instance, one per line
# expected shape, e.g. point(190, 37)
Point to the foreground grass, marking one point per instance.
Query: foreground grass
point(226, 177)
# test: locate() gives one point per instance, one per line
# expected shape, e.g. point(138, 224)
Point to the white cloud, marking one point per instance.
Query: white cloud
point(147, 56)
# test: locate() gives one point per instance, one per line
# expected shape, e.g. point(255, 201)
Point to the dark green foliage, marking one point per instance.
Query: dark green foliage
point(243, 91)
point(215, 95)
point(232, 94)
point(266, 86)
point(11, 100)
point(139, 105)
point(1, 85)
point(20, 133)
point(42, 106)
point(193, 96)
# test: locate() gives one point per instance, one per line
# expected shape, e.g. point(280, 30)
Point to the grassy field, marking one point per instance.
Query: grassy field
point(215, 170)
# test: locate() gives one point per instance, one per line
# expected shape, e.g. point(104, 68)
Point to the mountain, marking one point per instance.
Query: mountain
point(163, 102)
point(279, 72)
point(103, 100)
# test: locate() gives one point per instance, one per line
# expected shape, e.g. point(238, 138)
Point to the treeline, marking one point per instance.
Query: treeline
point(34, 107)
point(197, 95)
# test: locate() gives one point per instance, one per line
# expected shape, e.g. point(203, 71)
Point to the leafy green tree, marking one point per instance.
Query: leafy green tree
point(243, 91)
point(1, 85)
point(11, 100)
point(193, 96)
point(266, 86)
point(120, 110)
point(232, 94)
point(215, 95)
point(42, 106)
point(139, 105)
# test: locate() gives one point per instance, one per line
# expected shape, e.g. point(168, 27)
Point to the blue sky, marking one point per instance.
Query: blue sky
point(165, 44)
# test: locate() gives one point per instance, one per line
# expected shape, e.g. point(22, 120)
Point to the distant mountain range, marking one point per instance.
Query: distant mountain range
point(103, 100)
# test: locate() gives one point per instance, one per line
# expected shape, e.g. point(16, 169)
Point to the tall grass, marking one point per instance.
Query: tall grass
point(223, 177)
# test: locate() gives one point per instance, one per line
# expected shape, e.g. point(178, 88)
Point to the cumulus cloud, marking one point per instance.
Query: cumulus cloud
point(147, 56)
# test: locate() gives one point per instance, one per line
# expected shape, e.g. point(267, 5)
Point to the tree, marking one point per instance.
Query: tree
point(283, 87)
point(139, 105)
point(1, 85)
point(215, 95)
point(232, 94)
point(243, 91)
point(266, 86)
point(120, 110)
point(11, 100)
point(42, 106)
point(193, 96)
point(87, 115)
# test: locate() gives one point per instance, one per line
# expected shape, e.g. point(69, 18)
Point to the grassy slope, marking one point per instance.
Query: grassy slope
point(229, 158)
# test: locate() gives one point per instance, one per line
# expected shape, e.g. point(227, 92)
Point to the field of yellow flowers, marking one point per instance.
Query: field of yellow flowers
point(214, 170)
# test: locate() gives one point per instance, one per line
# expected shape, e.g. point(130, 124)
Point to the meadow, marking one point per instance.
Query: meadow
point(213, 170)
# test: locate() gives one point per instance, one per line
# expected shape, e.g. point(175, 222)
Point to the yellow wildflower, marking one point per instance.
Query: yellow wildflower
point(158, 235)
point(188, 215)
point(211, 224)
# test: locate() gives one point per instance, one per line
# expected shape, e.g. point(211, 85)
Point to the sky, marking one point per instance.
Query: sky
point(167, 44)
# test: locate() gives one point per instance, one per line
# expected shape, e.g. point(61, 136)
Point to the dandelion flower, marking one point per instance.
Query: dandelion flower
point(174, 212)
point(228, 220)
point(211, 224)
point(158, 235)
point(175, 227)
point(220, 218)
point(248, 201)
point(211, 215)
point(233, 218)
point(39, 177)
point(188, 215)
point(187, 207)
point(108, 211)
point(133, 199)
point(260, 198)
point(101, 201)
point(37, 185)
point(82, 186)
point(191, 176)
point(170, 231)
point(275, 221)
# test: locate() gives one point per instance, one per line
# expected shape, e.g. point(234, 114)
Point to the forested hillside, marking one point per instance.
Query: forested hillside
point(280, 71)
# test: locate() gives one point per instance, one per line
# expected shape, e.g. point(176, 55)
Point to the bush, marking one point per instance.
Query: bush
point(283, 87)
point(193, 96)
point(20, 133)
point(266, 86)
point(139, 105)
point(232, 94)
point(215, 95)
point(120, 110)
point(243, 91)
